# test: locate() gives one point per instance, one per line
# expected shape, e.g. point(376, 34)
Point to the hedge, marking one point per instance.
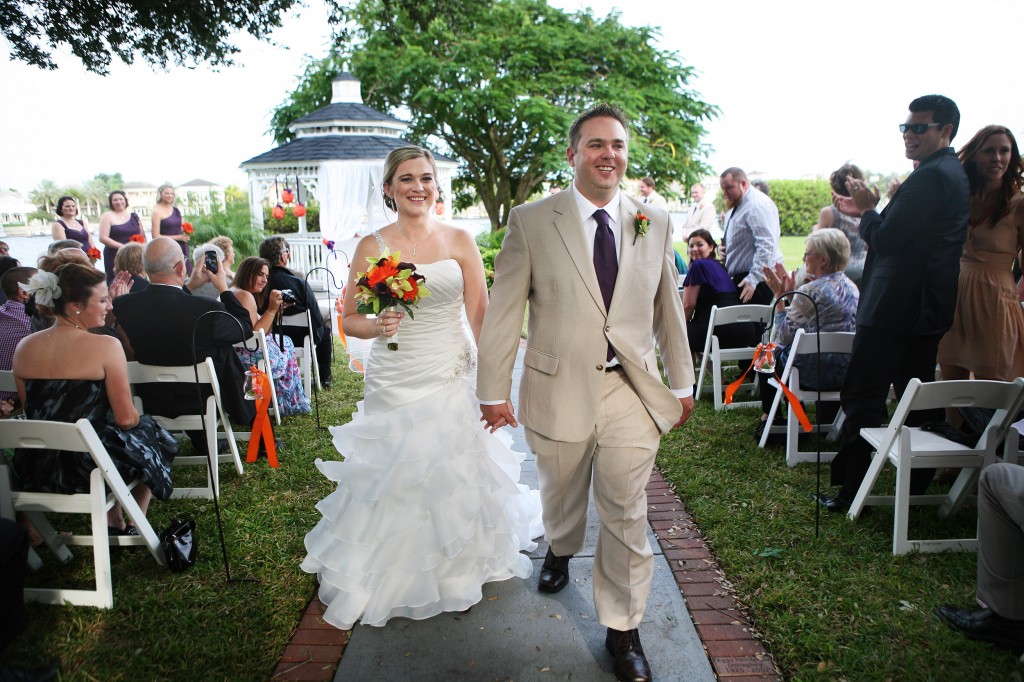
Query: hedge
point(799, 202)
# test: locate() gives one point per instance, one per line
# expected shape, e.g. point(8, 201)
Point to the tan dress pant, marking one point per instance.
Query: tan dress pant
point(618, 458)
point(1001, 540)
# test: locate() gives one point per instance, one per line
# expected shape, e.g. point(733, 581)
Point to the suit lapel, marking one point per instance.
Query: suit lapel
point(569, 226)
point(628, 250)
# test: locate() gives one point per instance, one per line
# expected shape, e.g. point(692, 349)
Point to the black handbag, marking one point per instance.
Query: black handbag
point(179, 543)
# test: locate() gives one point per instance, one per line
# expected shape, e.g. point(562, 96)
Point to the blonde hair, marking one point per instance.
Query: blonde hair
point(395, 159)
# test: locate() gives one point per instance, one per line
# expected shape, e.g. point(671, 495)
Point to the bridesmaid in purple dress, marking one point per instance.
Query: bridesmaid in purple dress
point(167, 221)
point(64, 227)
point(117, 227)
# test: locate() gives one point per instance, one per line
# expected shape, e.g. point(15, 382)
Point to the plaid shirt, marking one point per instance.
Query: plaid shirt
point(14, 326)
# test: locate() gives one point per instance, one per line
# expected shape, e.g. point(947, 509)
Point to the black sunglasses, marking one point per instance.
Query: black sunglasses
point(919, 128)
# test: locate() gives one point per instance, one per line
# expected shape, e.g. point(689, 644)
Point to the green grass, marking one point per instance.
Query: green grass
point(838, 606)
point(195, 625)
point(835, 607)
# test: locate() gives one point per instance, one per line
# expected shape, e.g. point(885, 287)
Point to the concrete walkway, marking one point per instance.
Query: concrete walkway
point(517, 633)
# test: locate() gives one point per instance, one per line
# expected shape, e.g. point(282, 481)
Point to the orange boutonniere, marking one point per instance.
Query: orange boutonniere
point(642, 225)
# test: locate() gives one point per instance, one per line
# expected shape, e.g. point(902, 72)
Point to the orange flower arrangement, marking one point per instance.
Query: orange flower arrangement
point(94, 254)
point(137, 238)
point(389, 283)
point(187, 228)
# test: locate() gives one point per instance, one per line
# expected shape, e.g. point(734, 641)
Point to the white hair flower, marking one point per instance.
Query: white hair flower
point(43, 285)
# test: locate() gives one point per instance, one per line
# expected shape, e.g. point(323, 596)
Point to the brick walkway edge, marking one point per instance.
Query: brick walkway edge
point(316, 648)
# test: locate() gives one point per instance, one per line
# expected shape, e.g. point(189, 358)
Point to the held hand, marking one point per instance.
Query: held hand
point(496, 416)
point(746, 291)
point(388, 322)
point(687, 405)
point(274, 302)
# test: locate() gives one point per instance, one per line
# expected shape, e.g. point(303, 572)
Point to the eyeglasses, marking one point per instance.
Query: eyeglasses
point(918, 128)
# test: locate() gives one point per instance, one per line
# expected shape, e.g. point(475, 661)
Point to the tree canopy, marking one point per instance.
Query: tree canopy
point(498, 84)
point(185, 32)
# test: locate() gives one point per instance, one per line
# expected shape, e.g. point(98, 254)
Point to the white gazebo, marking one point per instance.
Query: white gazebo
point(337, 157)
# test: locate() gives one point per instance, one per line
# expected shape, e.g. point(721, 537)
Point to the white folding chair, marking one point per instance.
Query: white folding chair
point(718, 356)
point(78, 437)
point(259, 338)
point(306, 353)
point(805, 344)
point(213, 414)
point(909, 448)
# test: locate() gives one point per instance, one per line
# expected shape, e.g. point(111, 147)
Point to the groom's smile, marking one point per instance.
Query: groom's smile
point(599, 159)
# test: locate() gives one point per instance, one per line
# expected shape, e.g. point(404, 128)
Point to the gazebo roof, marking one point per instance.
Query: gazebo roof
point(334, 148)
point(345, 111)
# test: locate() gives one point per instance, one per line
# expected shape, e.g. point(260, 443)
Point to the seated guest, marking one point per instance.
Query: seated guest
point(826, 254)
point(129, 259)
point(156, 326)
point(277, 252)
point(95, 383)
point(1000, 621)
point(227, 247)
point(250, 287)
point(208, 290)
point(54, 257)
point(708, 284)
point(15, 323)
point(6, 263)
point(62, 244)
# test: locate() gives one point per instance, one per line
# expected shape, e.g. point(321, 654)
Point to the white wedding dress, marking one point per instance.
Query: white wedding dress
point(428, 506)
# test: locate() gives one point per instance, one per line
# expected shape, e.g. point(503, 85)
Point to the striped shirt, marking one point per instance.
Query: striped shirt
point(752, 237)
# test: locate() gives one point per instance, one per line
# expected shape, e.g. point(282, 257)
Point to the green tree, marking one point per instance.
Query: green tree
point(233, 194)
point(498, 83)
point(799, 203)
point(45, 196)
point(185, 32)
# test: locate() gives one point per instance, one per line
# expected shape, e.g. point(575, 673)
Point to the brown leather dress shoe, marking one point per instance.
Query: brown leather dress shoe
point(554, 574)
point(630, 661)
point(986, 626)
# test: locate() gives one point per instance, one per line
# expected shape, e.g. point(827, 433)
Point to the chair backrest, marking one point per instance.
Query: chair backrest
point(1004, 397)
point(750, 312)
point(79, 437)
point(259, 338)
point(302, 321)
point(139, 373)
point(808, 344)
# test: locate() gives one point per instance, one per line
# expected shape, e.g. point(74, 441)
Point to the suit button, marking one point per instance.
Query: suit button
point(607, 329)
point(599, 367)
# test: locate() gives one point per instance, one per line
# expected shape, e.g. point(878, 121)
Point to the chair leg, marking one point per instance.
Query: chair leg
point(901, 503)
point(874, 469)
point(771, 419)
point(100, 541)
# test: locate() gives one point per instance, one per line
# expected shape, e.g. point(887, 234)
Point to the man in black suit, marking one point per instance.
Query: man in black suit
point(156, 326)
point(277, 252)
point(908, 293)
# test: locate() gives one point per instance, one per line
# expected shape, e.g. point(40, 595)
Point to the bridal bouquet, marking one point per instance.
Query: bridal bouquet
point(389, 283)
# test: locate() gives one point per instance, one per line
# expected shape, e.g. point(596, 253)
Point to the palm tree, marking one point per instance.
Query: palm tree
point(45, 196)
point(235, 194)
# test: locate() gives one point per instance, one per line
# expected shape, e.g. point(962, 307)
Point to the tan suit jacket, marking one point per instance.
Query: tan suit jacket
point(545, 261)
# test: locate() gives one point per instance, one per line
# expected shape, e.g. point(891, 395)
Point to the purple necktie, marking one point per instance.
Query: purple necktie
point(606, 263)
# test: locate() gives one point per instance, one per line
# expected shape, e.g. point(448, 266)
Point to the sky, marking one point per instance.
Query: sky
point(803, 87)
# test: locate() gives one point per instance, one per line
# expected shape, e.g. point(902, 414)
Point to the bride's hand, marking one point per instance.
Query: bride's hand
point(388, 322)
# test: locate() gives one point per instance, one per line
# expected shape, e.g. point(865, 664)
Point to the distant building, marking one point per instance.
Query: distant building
point(14, 208)
point(141, 198)
point(199, 196)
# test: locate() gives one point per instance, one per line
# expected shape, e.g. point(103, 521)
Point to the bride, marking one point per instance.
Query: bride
point(428, 505)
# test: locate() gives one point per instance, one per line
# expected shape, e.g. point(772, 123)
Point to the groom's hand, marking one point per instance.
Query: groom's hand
point(687, 404)
point(496, 416)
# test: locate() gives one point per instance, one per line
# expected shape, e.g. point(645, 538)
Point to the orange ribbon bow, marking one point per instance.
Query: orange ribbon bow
point(766, 354)
point(261, 428)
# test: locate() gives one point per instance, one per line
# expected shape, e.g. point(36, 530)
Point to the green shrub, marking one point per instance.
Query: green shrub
point(490, 243)
point(799, 202)
point(290, 224)
point(234, 222)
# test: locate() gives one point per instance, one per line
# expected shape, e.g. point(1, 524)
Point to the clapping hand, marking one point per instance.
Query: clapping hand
point(120, 285)
point(862, 197)
point(778, 280)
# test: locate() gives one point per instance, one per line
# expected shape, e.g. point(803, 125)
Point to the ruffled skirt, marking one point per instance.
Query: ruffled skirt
point(428, 508)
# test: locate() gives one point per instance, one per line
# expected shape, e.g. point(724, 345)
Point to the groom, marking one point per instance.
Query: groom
point(601, 288)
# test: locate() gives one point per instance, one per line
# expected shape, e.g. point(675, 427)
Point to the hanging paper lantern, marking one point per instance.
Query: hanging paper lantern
point(278, 212)
point(287, 196)
point(299, 210)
